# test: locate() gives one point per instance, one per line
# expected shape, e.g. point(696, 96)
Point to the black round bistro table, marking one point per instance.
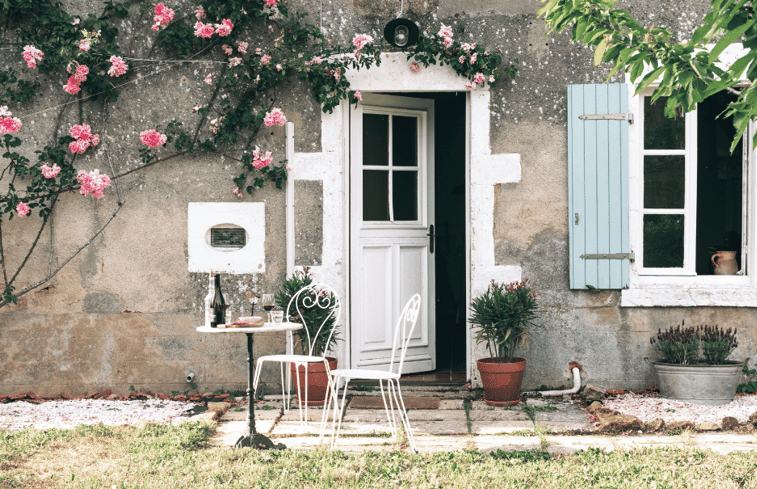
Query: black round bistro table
point(253, 438)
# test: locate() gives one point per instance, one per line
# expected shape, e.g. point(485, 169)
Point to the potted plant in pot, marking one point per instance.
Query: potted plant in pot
point(319, 320)
point(504, 316)
point(694, 366)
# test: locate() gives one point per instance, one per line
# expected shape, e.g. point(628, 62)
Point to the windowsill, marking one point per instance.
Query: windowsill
point(693, 295)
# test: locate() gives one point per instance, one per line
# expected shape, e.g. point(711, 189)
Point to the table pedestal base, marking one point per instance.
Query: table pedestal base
point(261, 442)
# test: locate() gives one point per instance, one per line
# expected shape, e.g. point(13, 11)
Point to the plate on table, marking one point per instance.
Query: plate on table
point(247, 322)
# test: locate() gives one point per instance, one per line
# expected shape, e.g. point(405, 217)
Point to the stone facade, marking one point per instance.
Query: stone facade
point(122, 314)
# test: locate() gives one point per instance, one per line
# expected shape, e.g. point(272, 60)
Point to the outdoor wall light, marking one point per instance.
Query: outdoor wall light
point(401, 33)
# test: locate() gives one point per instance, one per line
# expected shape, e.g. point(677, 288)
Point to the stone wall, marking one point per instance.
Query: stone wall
point(122, 314)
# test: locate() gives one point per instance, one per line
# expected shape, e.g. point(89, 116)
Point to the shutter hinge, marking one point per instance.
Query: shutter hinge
point(609, 256)
point(607, 117)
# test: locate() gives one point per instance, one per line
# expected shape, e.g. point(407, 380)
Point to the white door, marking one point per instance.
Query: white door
point(391, 230)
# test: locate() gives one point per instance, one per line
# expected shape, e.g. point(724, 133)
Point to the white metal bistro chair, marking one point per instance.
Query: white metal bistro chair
point(307, 298)
point(402, 334)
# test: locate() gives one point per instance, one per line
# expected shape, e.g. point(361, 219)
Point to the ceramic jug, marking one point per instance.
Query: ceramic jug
point(725, 263)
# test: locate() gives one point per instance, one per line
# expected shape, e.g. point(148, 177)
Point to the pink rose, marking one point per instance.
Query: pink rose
point(152, 138)
point(22, 208)
point(275, 118)
point(79, 146)
point(224, 28)
point(81, 73)
point(72, 87)
point(50, 172)
point(204, 30)
point(118, 67)
point(83, 131)
point(445, 31)
point(9, 124)
point(92, 183)
point(32, 55)
point(362, 40)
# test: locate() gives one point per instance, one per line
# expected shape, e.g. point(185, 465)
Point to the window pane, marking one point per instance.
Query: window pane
point(405, 195)
point(661, 132)
point(375, 195)
point(375, 140)
point(719, 184)
point(405, 141)
point(663, 241)
point(664, 182)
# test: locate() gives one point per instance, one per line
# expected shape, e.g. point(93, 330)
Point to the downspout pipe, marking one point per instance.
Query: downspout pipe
point(289, 228)
point(289, 153)
point(575, 389)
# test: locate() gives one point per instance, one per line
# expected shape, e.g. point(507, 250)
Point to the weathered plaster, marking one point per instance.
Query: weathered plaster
point(123, 312)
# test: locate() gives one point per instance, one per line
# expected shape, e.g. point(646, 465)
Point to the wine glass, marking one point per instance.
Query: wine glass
point(268, 304)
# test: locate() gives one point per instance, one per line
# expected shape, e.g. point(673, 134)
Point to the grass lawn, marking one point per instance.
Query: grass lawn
point(172, 457)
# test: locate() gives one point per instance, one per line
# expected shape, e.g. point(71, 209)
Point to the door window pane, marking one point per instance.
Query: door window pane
point(375, 195)
point(405, 195)
point(405, 141)
point(663, 241)
point(375, 140)
point(660, 132)
point(664, 182)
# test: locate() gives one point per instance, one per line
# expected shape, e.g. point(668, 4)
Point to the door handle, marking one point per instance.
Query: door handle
point(431, 237)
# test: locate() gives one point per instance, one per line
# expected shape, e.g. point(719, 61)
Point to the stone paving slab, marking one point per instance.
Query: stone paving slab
point(436, 423)
point(505, 417)
point(480, 405)
point(446, 404)
point(228, 432)
point(496, 427)
point(570, 419)
point(234, 415)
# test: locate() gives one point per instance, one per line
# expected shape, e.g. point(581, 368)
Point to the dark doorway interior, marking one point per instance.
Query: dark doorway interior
point(450, 194)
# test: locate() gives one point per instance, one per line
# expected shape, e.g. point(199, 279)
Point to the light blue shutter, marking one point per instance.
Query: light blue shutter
point(598, 186)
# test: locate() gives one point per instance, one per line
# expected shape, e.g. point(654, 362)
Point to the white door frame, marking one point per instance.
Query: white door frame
point(346, 354)
point(483, 172)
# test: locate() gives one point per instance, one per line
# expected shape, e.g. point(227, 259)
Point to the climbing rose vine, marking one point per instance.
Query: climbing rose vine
point(86, 55)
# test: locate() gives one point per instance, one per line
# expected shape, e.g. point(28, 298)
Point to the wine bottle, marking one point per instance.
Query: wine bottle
point(218, 305)
point(209, 300)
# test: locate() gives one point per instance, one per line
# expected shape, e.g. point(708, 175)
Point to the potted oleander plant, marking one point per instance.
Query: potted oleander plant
point(503, 316)
point(312, 312)
point(694, 366)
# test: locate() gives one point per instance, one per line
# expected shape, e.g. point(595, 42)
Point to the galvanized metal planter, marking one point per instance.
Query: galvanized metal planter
point(710, 385)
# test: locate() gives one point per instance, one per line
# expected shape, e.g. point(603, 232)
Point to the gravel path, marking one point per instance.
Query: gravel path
point(69, 414)
point(649, 408)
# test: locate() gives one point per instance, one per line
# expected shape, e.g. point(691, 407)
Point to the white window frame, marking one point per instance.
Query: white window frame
point(651, 287)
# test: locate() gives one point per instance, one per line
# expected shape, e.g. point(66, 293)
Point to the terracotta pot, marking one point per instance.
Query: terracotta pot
point(317, 381)
point(501, 380)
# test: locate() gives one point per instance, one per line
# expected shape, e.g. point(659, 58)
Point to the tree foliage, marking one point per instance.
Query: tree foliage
point(688, 71)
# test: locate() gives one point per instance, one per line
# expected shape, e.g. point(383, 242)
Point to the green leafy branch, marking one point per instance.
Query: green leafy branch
point(686, 72)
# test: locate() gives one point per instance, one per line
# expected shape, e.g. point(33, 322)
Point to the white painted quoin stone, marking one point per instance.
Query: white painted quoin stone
point(331, 167)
